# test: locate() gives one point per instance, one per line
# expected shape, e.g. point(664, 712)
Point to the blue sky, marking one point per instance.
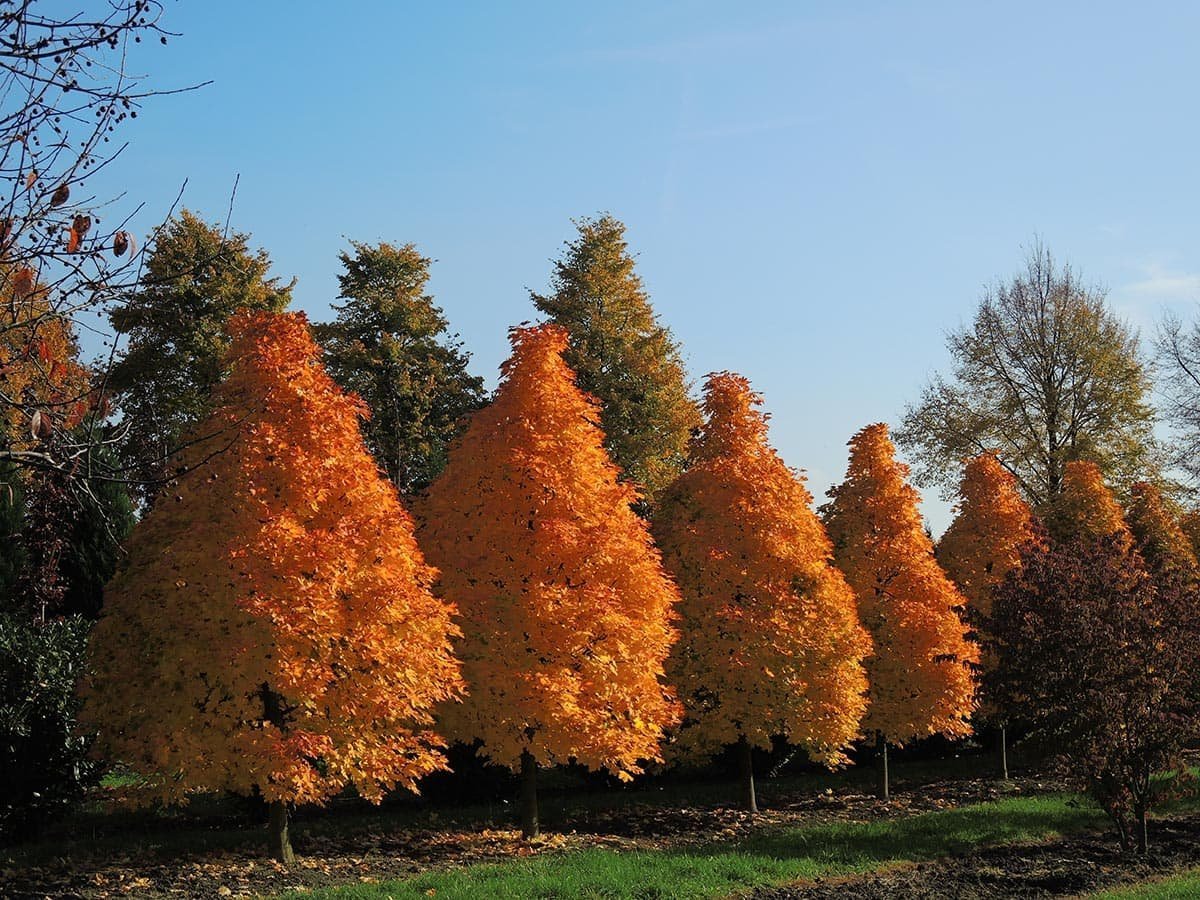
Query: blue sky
point(816, 191)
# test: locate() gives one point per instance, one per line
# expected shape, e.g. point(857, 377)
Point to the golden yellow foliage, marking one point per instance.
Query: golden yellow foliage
point(1085, 508)
point(921, 682)
point(992, 525)
point(566, 610)
point(770, 642)
point(274, 624)
point(1157, 534)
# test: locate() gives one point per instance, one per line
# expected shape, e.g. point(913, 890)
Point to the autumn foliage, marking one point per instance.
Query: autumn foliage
point(992, 524)
point(920, 674)
point(1158, 537)
point(1102, 661)
point(1085, 508)
point(566, 610)
point(273, 628)
point(42, 384)
point(770, 640)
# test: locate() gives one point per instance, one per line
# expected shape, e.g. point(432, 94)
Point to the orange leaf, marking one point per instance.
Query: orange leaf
point(23, 282)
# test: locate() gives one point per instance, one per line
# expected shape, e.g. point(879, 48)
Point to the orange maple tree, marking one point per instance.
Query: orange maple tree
point(992, 527)
point(1189, 524)
point(921, 679)
point(566, 609)
point(1085, 508)
point(1164, 547)
point(770, 642)
point(273, 629)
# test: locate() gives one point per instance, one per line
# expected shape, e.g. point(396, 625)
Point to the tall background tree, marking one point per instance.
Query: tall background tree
point(921, 672)
point(197, 275)
point(770, 643)
point(1046, 373)
point(390, 345)
point(274, 630)
point(622, 355)
point(1178, 354)
point(565, 608)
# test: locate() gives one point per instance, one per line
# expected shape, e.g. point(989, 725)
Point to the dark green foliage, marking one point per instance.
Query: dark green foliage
point(63, 537)
point(622, 355)
point(390, 345)
point(43, 763)
point(196, 277)
point(12, 509)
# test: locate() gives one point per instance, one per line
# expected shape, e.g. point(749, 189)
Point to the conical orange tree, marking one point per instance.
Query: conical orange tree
point(921, 679)
point(566, 609)
point(992, 526)
point(273, 629)
point(770, 642)
point(1085, 509)
point(1157, 535)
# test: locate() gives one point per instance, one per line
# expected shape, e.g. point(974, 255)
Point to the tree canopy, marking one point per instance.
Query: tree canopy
point(920, 675)
point(770, 642)
point(197, 275)
point(565, 608)
point(390, 345)
point(1045, 374)
point(622, 355)
point(274, 628)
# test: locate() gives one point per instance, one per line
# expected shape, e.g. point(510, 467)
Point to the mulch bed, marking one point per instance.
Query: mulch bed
point(368, 853)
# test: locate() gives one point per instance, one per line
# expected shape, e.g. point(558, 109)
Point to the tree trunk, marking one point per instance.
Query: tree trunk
point(1004, 751)
point(885, 788)
point(1143, 838)
point(279, 841)
point(529, 801)
point(745, 754)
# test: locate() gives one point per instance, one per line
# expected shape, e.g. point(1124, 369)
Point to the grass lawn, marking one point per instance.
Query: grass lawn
point(769, 858)
point(1176, 887)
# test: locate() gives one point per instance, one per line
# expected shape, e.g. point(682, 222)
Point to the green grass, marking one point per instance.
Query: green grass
point(1176, 887)
point(769, 858)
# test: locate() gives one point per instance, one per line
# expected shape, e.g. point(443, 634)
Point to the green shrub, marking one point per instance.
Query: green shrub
point(43, 762)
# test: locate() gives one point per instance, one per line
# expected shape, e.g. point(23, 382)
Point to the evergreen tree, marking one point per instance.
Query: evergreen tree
point(565, 607)
point(770, 642)
point(389, 344)
point(196, 277)
point(622, 355)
